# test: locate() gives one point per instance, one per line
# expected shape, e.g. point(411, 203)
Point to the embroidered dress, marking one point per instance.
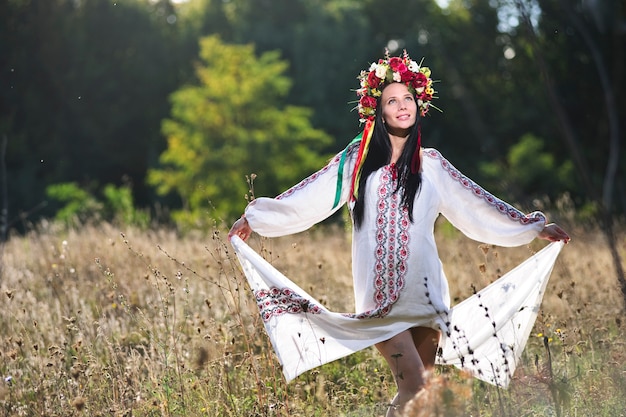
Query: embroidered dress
point(399, 280)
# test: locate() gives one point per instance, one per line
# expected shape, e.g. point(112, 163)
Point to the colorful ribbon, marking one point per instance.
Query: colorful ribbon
point(342, 162)
point(365, 138)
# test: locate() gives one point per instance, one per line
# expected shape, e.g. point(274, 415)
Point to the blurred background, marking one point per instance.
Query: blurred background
point(159, 112)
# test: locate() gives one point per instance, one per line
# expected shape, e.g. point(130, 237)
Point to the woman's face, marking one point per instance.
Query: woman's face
point(399, 109)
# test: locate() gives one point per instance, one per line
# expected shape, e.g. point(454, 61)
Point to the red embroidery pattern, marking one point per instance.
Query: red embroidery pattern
point(504, 208)
point(392, 240)
point(275, 302)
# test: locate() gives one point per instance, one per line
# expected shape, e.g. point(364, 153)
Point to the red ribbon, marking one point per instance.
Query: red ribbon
point(363, 148)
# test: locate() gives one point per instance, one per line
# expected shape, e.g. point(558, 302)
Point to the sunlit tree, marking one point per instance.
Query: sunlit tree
point(233, 122)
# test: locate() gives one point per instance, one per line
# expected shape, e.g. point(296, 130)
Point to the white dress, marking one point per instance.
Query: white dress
point(399, 280)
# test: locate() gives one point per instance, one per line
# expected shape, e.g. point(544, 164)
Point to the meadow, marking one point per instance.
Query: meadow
point(104, 320)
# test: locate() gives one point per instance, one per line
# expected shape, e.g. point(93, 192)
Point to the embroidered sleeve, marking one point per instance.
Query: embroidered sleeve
point(477, 213)
point(303, 205)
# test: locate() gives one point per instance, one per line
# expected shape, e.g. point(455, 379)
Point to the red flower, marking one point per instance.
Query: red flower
point(396, 64)
point(420, 80)
point(368, 101)
point(407, 76)
point(426, 97)
point(372, 80)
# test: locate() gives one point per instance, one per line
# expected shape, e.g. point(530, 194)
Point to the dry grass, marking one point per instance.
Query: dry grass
point(117, 322)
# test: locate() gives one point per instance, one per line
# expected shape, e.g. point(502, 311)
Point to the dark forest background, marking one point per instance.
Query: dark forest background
point(159, 110)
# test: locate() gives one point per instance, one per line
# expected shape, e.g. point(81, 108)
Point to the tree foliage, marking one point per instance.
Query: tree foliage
point(233, 122)
point(528, 171)
point(78, 205)
point(86, 85)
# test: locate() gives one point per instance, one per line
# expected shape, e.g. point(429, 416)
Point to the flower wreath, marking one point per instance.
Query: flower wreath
point(384, 72)
point(390, 70)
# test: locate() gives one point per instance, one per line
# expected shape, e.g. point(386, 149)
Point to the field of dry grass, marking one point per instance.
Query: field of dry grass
point(109, 321)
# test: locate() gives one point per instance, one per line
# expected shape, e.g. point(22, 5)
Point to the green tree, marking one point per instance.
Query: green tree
point(232, 123)
point(77, 205)
point(529, 171)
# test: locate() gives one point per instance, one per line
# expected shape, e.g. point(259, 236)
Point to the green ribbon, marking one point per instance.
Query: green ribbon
point(342, 162)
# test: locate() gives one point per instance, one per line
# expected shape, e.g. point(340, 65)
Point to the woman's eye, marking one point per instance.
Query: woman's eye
point(392, 101)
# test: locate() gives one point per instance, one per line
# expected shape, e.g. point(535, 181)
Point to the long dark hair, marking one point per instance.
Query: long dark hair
point(378, 156)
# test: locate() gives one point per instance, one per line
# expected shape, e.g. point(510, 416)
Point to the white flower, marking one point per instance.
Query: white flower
point(413, 66)
point(397, 77)
point(381, 71)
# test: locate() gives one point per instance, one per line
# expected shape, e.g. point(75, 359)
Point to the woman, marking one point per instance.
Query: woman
point(395, 191)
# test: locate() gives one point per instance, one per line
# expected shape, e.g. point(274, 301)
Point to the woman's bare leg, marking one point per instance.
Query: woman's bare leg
point(409, 355)
point(406, 365)
point(426, 341)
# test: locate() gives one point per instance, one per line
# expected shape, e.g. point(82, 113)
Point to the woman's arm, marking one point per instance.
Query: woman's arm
point(479, 214)
point(300, 207)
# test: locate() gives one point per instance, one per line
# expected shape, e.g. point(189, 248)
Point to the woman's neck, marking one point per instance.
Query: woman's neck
point(397, 146)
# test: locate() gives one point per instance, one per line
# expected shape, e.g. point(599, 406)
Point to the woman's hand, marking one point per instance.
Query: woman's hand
point(554, 233)
point(240, 228)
